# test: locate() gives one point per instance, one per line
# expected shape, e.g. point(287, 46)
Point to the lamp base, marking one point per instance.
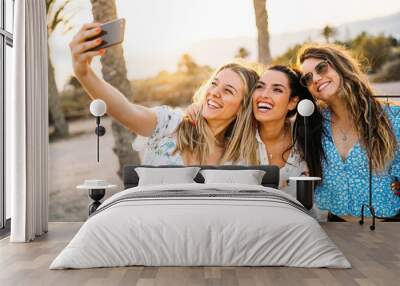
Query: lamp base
point(305, 190)
point(96, 195)
point(305, 193)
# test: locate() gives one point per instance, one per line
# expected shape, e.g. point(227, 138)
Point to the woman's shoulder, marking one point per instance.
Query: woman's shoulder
point(168, 120)
point(393, 114)
point(326, 120)
point(167, 112)
point(392, 111)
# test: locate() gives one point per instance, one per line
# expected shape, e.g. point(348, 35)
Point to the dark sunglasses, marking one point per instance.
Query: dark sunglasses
point(320, 69)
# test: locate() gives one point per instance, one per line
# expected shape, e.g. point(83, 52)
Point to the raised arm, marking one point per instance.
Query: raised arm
point(139, 119)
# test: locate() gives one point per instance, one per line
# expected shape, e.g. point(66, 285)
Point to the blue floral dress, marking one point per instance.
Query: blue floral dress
point(345, 182)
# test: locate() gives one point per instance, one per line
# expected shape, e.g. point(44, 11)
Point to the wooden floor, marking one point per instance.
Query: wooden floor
point(375, 257)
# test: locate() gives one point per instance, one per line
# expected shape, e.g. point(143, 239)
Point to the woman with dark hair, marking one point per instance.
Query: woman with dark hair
point(273, 131)
point(334, 77)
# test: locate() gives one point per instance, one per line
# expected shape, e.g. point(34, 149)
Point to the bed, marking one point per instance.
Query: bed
point(201, 224)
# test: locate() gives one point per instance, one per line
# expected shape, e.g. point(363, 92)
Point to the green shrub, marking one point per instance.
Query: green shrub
point(375, 49)
point(174, 89)
point(389, 72)
point(289, 57)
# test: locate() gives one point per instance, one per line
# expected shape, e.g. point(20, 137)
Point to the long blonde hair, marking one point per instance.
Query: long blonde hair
point(199, 138)
point(356, 91)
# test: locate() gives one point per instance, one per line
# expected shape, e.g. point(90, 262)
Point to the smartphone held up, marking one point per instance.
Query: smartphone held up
point(112, 33)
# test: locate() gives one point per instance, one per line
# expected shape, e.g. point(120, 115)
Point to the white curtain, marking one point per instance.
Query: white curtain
point(27, 124)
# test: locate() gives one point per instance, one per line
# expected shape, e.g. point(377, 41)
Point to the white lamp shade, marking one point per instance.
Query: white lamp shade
point(306, 107)
point(98, 107)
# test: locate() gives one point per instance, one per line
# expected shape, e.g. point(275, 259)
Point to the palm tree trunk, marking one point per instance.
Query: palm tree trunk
point(114, 72)
point(264, 53)
point(55, 108)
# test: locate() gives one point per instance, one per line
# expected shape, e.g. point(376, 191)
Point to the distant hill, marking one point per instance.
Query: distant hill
point(214, 52)
point(217, 51)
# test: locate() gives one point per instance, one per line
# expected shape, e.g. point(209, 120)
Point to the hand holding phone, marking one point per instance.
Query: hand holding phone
point(91, 40)
point(112, 33)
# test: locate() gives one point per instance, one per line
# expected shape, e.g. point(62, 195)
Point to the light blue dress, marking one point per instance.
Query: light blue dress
point(345, 182)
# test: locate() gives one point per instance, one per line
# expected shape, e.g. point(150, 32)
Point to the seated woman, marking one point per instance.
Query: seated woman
point(333, 76)
point(172, 139)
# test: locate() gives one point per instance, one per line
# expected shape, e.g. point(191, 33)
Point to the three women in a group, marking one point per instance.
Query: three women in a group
point(242, 118)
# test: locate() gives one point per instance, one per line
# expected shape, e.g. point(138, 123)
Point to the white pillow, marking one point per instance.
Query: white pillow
point(164, 176)
point(248, 177)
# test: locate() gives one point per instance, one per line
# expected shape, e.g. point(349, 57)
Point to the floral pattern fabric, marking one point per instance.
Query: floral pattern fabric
point(161, 144)
point(345, 182)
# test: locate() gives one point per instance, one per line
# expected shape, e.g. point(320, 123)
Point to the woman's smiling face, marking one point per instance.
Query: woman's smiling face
point(325, 84)
point(271, 99)
point(224, 96)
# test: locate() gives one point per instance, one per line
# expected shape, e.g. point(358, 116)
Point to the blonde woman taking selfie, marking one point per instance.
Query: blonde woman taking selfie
point(172, 138)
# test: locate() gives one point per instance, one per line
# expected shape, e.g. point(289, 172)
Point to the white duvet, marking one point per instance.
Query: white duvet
point(188, 231)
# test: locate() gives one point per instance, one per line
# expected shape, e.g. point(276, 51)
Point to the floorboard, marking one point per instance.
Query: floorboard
point(374, 255)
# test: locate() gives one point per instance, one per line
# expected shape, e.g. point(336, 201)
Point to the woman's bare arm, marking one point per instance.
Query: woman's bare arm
point(139, 119)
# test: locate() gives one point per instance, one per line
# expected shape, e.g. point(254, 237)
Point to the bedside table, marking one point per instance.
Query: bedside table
point(305, 190)
point(97, 190)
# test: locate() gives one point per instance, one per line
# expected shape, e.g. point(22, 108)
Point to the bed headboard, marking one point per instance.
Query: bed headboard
point(270, 179)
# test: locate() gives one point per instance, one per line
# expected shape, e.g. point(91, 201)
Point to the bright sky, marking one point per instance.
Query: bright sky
point(168, 27)
point(295, 15)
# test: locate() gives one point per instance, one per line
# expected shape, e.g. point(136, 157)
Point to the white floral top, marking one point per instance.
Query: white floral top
point(294, 167)
point(158, 148)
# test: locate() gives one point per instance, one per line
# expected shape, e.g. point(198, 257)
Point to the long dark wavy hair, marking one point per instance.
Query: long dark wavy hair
point(315, 153)
point(357, 92)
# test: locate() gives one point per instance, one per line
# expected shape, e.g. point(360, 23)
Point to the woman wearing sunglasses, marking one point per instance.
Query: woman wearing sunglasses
point(172, 140)
point(334, 77)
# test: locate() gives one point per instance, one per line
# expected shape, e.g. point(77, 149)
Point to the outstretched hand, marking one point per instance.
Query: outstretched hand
point(81, 47)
